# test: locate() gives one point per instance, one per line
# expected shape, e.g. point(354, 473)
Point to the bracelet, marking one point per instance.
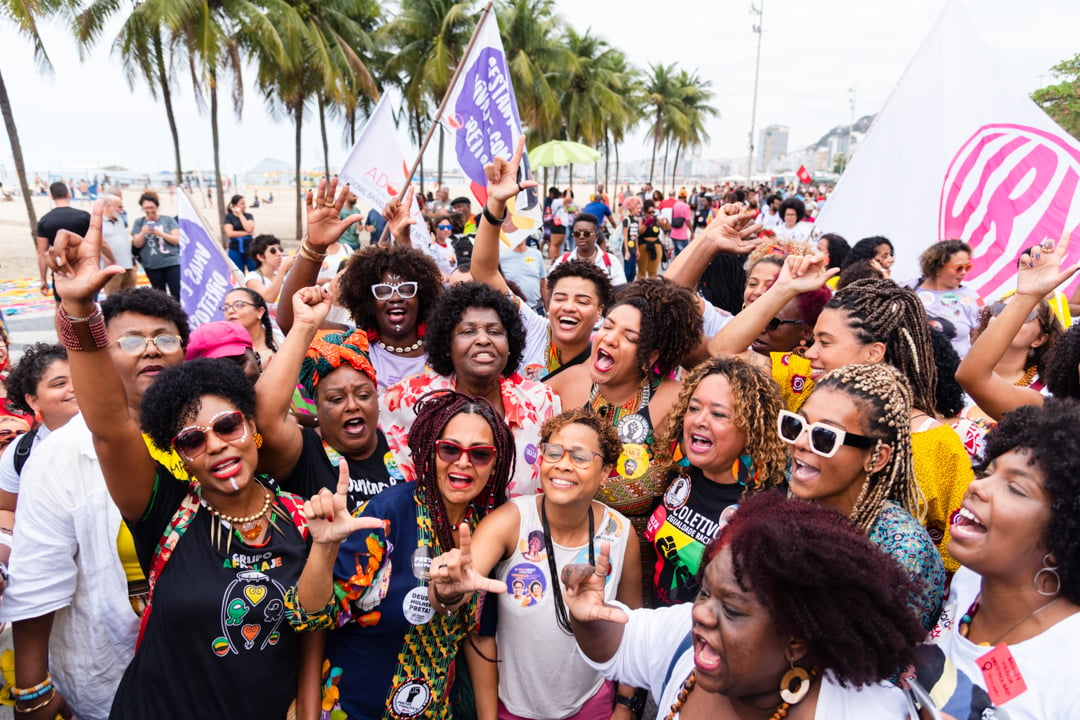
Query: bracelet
point(34, 696)
point(491, 218)
point(308, 253)
point(43, 703)
point(444, 601)
point(22, 692)
point(88, 333)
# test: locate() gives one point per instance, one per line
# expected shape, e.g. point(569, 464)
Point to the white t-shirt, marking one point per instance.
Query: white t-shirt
point(391, 368)
point(115, 233)
point(9, 479)
point(653, 636)
point(714, 319)
point(799, 233)
point(533, 363)
point(950, 667)
point(607, 262)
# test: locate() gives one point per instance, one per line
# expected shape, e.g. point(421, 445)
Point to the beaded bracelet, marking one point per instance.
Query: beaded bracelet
point(88, 333)
point(34, 696)
point(43, 703)
point(21, 693)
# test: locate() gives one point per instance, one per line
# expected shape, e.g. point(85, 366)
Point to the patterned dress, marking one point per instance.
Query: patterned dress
point(901, 537)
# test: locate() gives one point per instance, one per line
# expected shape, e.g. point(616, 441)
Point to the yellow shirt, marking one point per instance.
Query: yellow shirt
point(125, 547)
point(943, 472)
point(170, 460)
point(792, 373)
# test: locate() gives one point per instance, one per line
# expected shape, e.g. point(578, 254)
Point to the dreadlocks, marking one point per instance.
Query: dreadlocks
point(433, 412)
point(882, 396)
point(882, 311)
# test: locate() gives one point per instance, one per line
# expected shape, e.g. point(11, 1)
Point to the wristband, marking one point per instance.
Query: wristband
point(635, 703)
point(23, 692)
point(308, 253)
point(88, 333)
point(447, 603)
point(491, 218)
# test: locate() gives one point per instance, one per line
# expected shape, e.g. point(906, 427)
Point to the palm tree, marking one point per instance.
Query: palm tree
point(593, 90)
point(430, 37)
point(694, 98)
point(25, 14)
point(618, 121)
point(660, 95)
point(144, 51)
point(536, 56)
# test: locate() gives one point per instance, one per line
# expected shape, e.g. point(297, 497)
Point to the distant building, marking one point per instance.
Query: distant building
point(772, 144)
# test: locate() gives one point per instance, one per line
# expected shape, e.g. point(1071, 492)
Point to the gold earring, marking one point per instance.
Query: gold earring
point(794, 675)
point(258, 439)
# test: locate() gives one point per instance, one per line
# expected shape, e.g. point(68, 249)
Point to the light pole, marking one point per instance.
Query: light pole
point(851, 127)
point(758, 28)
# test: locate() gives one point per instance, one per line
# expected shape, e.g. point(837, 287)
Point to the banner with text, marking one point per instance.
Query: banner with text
point(206, 275)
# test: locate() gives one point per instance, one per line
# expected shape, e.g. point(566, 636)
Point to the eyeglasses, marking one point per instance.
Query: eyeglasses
point(229, 425)
point(478, 455)
point(273, 249)
point(385, 291)
point(777, 322)
point(583, 233)
point(959, 268)
point(236, 305)
point(825, 440)
point(553, 453)
point(997, 308)
point(445, 227)
point(137, 344)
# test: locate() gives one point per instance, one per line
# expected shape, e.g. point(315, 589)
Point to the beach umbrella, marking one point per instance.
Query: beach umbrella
point(558, 153)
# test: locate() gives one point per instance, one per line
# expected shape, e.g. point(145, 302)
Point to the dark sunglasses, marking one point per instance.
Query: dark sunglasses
point(583, 233)
point(478, 455)
point(998, 307)
point(229, 425)
point(825, 440)
point(553, 453)
point(777, 322)
point(273, 249)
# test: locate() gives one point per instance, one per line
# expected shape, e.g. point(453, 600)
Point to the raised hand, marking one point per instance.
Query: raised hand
point(502, 175)
point(398, 214)
point(310, 306)
point(584, 594)
point(733, 231)
point(1039, 272)
point(76, 265)
point(453, 573)
point(329, 520)
point(324, 223)
point(805, 273)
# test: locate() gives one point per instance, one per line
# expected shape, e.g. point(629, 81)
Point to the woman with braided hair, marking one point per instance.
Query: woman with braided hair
point(719, 447)
point(388, 654)
point(851, 450)
point(869, 321)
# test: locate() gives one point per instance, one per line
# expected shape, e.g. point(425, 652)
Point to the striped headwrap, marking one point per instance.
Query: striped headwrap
point(329, 352)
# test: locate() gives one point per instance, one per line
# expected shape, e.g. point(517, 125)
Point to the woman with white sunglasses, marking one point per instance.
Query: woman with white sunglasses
point(851, 450)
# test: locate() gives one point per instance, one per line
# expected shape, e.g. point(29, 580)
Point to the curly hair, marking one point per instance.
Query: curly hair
point(881, 394)
point(587, 271)
point(949, 396)
point(149, 302)
point(882, 311)
point(775, 251)
point(1048, 437)
point(1049, 324)
point(610, 445)
point(367, 267)
point(933, 259)
point(259, 302)
point(795, 204)
point(866, 249)
point(433, 413)
point(671, 304)
point(755, 404)
point(444, 318)
point(858, 270)
point(175, 397)
point(838, 249)
point(28, 372)
point(261, 244)
point(808, 567)
point(1061, 378)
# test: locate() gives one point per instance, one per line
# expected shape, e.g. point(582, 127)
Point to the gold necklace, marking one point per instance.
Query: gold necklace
point(1029, 375)
point(248, 527)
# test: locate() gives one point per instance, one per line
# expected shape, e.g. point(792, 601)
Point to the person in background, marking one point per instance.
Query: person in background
point(876, 249)
point(158, 239)
point(351, 236)
point(586, 236)
point(950, 306)
point(602, 211)
point(239, 227)
point(247, 308)
point(61, 217)
point(682, 219)
point(650, 247)
point(553, 223)
point(794, 226)
point(114, 234)
point(631, 233)
point(273, 266)
point(374, 224)
point(771, 218)
point(524, 265)
point(463, 207)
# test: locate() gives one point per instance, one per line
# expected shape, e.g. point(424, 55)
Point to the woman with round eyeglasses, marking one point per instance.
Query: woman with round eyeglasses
point(578, 450)
point(387, 648)
point(850, 448)
point(951, 306)
point(248, 308)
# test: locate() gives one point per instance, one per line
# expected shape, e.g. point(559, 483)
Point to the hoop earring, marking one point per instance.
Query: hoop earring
point(794, 675)
point(1052, 570)
point(801, 349)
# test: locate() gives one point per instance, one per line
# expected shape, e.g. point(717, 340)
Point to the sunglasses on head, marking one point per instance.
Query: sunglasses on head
point(777, 322)
point(998, 307)
point(553, 453)
point(137, 344)
point(825, 440)
point(385, 291)
point(479, 455)
point(583, 233)
point(229, 425)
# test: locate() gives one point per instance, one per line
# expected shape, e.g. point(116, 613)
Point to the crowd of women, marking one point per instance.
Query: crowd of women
point(453, 505)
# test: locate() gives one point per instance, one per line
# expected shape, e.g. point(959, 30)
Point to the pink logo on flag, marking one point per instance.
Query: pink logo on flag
point(1008, 188)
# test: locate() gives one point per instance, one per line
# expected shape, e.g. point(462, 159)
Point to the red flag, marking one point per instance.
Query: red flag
point(804, 175)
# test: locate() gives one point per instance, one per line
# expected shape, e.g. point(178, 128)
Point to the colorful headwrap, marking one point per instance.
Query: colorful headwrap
point(329, 352)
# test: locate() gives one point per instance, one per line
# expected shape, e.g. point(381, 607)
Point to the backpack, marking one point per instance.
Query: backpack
point(22, 449)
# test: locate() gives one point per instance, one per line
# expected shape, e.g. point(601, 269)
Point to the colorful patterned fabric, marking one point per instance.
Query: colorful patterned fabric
point(329, 352)
point(527, 404)
point(792, 373)
point(901, 537)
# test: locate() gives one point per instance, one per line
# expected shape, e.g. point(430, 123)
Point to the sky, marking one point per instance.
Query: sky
point(812, 55)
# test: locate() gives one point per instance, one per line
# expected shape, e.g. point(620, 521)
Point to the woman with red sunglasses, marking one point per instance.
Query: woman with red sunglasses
point(389, 654)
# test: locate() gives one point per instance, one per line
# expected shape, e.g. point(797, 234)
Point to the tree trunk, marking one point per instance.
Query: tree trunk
point(607, 162)
point(217, 158)
point(438, 183)
point(166, 95)
point(655, 144)
point(616, 167)
point(675, 165)
point(663, 175)
point(352, 128)
point(322, 128)
point(298, 120)
point(20, 166)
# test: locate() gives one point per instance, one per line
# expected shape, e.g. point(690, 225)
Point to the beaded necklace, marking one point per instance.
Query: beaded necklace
point(688, 685)
point(554, 359)
point(614, 413)
point(1029, 375)
point(249, 527)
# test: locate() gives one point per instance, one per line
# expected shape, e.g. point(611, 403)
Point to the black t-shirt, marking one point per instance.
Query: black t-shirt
point(217, 644)
point(63, 218)
point(238, 243)
point(367, 478)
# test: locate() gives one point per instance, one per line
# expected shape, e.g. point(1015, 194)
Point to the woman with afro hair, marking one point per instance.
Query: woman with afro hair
point(1017, 597)
point(475, 342)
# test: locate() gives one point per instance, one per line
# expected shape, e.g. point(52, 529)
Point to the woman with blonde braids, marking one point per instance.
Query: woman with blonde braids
point(851, 450)
point(719, 447)
point(869, 321)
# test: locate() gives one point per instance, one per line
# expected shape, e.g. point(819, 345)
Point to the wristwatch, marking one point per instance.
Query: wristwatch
point(636, 702)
